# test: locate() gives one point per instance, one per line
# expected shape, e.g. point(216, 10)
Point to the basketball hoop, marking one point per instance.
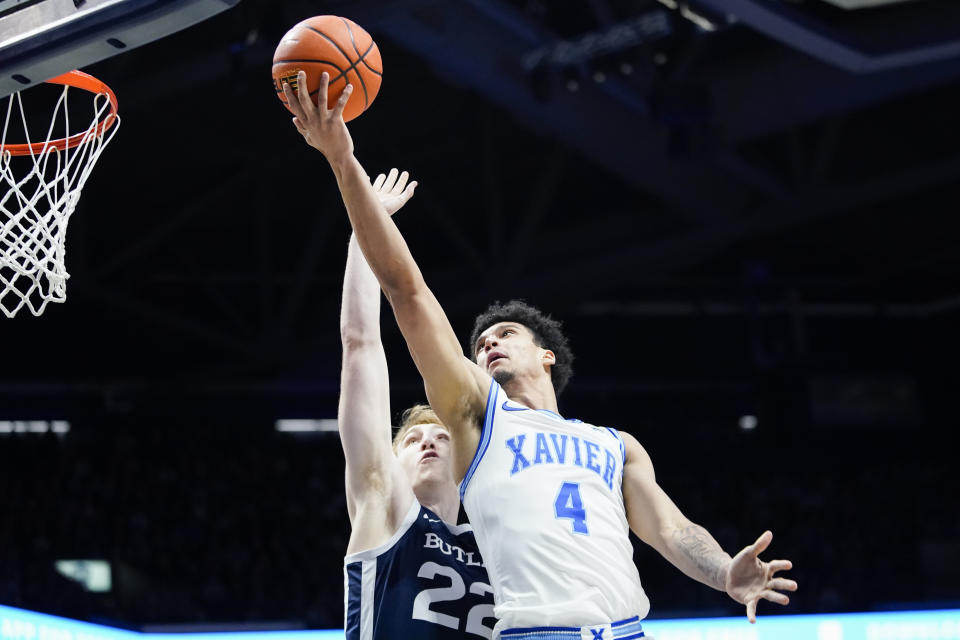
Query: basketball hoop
point(41, 193)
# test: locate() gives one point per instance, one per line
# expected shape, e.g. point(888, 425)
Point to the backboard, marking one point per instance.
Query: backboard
point(40, 39)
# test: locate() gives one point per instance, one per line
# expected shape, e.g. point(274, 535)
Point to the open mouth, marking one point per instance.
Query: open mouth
point(494, 357)
point(428, 455)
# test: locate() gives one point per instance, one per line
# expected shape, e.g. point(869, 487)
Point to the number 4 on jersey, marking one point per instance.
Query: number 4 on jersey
point(569, 504)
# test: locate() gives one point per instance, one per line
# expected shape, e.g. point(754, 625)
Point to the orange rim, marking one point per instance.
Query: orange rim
point(80, 80)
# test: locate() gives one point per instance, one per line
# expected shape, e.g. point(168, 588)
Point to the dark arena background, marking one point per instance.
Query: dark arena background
point(748, 225)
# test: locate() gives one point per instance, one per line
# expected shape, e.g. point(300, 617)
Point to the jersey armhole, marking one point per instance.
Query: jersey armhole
point(486, 433)
point(623, 448)
point(368, 554)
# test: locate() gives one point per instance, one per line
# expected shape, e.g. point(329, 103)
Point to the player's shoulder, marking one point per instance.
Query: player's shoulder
point(634, 451)
point(371, 536)
point(609, 433)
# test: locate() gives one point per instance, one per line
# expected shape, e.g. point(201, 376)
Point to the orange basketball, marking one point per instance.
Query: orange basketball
point(335, 45)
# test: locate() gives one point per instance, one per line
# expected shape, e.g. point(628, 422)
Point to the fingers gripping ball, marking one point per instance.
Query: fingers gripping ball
point(335, 45)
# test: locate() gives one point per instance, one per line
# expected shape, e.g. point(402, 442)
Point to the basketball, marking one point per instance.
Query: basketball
point(338, 46)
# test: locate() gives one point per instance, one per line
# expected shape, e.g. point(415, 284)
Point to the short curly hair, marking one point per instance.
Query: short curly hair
point(547, 334)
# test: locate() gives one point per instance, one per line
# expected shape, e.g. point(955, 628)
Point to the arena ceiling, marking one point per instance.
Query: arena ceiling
point(710, 194)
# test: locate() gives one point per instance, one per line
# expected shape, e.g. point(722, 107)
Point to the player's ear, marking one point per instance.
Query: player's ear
point(548, 358)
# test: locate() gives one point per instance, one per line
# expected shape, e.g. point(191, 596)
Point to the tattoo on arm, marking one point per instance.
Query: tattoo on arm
point(702, 550)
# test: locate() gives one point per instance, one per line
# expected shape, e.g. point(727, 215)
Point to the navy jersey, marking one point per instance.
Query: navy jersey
point(426, 582)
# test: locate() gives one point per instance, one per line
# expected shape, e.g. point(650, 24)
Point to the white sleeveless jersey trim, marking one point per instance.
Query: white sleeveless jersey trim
point(545, 498)
point(370, 554)
point(408, 520)
point(368, 585)
point(623, 447)
point(485, 434)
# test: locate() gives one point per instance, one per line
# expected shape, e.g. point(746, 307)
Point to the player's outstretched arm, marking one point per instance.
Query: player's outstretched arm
point(456, 387)
point(656, 520)
point(378, 492)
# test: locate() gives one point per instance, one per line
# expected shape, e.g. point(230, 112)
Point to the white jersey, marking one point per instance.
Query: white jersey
point(544, 497)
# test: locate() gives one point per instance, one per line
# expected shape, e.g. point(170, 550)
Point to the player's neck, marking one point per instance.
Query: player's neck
point(536, 394)
point(442, 500)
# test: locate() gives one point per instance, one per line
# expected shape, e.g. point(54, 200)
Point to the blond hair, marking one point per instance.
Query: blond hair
point(415, 415)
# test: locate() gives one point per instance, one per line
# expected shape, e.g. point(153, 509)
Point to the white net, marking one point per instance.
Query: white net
point(40, 191)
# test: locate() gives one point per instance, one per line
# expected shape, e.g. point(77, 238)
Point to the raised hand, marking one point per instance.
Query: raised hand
point(393, 191)
point(322, 128)
point(749, 579)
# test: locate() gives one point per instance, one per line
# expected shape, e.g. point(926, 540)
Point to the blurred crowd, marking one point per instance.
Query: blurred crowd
point(245, 524)
point(200, 526)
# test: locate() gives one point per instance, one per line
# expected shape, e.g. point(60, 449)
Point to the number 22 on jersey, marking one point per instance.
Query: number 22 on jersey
point(456, 590)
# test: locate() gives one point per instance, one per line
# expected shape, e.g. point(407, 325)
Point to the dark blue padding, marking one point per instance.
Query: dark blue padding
point(84, 41)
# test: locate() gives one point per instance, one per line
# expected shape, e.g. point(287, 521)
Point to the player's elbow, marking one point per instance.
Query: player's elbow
point(408, 298)
point(400, 278)
point(359, 333)
point(674, 528)
point(357, 340)
point(655, 527)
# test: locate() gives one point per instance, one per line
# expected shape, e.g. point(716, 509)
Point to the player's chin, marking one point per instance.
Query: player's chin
point(426, 481)
point(433, 468)
point(501, 375)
